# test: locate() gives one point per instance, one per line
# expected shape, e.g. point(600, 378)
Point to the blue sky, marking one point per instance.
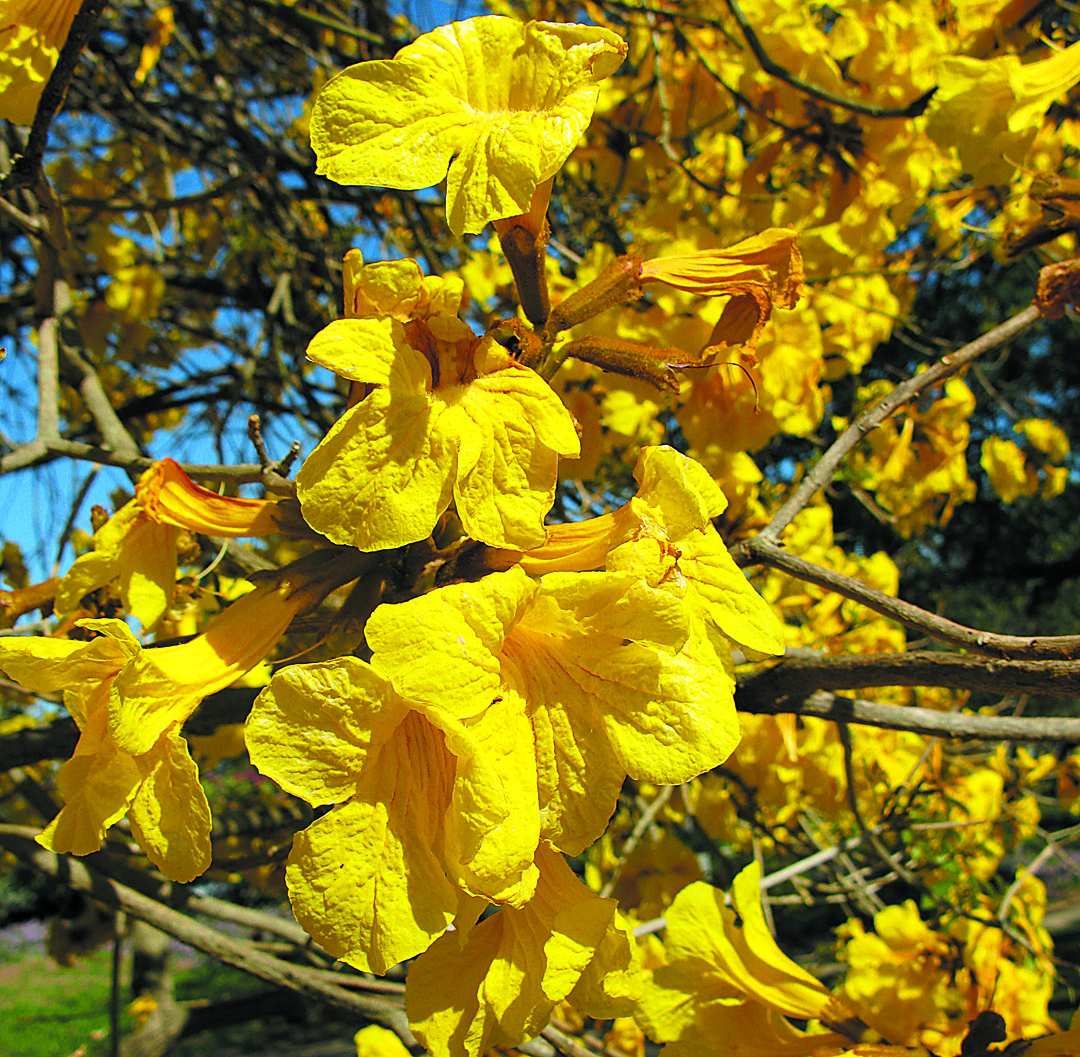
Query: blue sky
point(35, 504)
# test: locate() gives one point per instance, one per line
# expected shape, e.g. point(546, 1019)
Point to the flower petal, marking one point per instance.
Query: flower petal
point(499, 103)
point(169, 816)
point(493, 822)
point(519, 428)
point(98, 788)
point(498, 986)
point(313, 728)
point(383, 475)
point(603, 707)
point(441, 648)
point(364, 879)
point(168, 496)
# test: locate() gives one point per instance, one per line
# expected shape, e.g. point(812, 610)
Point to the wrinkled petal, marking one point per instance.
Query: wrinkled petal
point(48, 666)
point(364, 880)
point(675, 504)
point(498, 103)
point(728, 600)
point(519, 428)
point(382, 476)
point(442, 647)
point(377, 1041)
point(314, 727)
point(98, 788)
point(611, 984)
point(374, 351)
point(493, 822)
point(169, 815)
point(603, 707)
point(499, 985)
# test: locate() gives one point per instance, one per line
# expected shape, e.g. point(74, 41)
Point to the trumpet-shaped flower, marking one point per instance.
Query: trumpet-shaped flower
point(726, 978)
point(760, 273)
point(990, 109)
point(492, 104)
point(129, 704)
point(495, 982)
point(450, 417)
point(666, 534)
point(32, 32)
point(137, 545)
point(596, 658)
point(430, 807)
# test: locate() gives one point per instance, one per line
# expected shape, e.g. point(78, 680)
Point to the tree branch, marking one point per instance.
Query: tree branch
point(27, 168)
point(947, 366)
point(81, 875)
point(100, 407)
point(37, 452)
point(825, 705)
point(1047, 647)
point(796, 678)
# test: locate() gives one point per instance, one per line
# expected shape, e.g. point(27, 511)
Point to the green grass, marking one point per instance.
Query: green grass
point(48, 1011)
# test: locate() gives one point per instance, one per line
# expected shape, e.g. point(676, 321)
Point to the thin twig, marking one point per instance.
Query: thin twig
point(870, 835)
point(947, 366)
point(37, 452)
point(648, 817)
point(774, 69)
point(912, 109)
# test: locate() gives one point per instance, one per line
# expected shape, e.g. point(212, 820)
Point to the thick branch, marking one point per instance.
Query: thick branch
point(797, 678)
point(1044, 648)
point(241, 955)
point(920, 720)
point(100, 407)
point(945, 367)
point(57, 740)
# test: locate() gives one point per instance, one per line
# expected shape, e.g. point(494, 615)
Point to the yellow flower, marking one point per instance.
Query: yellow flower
point(429, 804)
point(32, 32)
point(377, 1041)
point(137, 545)
point(759, 273)
point(666, 534)
point(1042, 434)
point(597, 660)
point(129, 704)
point(495, 982)
point(450, 417)
point(498, 103)
point(730, 980)
point(1008, 469)
point(990, 109)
